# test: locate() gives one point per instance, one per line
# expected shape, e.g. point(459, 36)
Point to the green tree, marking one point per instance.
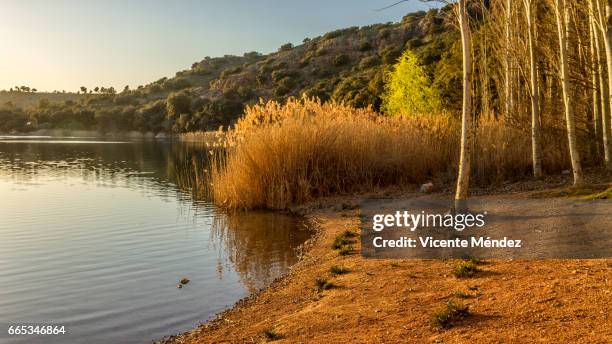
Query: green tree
point(408, 89)
point(178, 104)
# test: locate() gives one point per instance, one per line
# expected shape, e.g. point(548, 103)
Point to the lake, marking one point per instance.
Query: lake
point(96, 234)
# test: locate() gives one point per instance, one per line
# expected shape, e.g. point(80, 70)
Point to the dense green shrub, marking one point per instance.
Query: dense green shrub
point(413, 43)
point(365, 46)
point(13, 120)
point(384, 33)
point(341, 60)
point(281, 90)
point(177, 104)
point(287, 82)
point(155, 88)
point(391, 54)
point(126, 99)
point(286, 47)
point(332, 34)
point(262, 79)
point(368, 62)
point(304, 62)
point(176, 84)
point(277, 75)
point(266, 69)
point(230, 71)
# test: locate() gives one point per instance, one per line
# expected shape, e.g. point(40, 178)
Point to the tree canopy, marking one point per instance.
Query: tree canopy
point(408, 89)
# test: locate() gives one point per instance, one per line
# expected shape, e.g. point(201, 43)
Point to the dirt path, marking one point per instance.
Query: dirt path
point(392, 301)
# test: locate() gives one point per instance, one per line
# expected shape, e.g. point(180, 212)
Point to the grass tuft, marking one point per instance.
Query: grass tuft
point(476, 261)
point(349, 234)
point(461, 295)
point(343, 239)
point(339, 270)
point(343, 242)
point(346, 250)
point(465, 269)
point(323, 283)
point(272, 334)
point(339, 242)
point(447, 317)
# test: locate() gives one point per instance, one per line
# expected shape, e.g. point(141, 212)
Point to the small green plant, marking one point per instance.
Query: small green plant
point(447, 317)
point(461, 295)
point(346, 250)
point(339, 270)
point(349, 234)
point(339, 242)
point(271, 334)
point(465, 269)
point(323, 283)
point(476, 261)
point(343, 239)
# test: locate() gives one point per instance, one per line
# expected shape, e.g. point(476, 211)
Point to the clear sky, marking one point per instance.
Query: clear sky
point(64, 44)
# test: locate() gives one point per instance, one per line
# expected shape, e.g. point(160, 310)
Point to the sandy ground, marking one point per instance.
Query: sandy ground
point(393, 300)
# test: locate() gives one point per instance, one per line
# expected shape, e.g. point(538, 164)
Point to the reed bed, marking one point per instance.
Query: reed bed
point(279, 155)
point(198, 136)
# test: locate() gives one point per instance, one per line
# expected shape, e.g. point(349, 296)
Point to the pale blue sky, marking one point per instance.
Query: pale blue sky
point(63, 44)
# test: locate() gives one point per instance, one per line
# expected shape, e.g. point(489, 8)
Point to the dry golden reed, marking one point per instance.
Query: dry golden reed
point(281, 155)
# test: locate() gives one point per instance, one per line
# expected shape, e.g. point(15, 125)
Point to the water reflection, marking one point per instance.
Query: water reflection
point(96, 234)
point(256, 241)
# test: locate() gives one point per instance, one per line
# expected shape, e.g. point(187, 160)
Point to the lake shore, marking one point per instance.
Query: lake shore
point(390, 300)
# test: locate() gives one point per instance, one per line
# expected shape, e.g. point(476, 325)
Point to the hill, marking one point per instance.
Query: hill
point(30, 99)
point(346, 65)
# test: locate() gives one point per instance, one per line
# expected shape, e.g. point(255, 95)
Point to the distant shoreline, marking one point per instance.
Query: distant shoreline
point(65, 133)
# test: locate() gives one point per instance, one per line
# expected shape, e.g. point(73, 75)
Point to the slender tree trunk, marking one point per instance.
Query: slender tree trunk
point(536, 145)
point(463, 178)
point(604, 27)
point(603, 87)
point(508, 65)
point(562, 17)
point(605, 120)
point(596, 81)
point(486, 107)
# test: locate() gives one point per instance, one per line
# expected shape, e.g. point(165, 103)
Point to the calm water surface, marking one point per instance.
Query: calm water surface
point(95, 235)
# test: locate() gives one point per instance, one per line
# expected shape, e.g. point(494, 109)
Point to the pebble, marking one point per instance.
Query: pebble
point(427, 187)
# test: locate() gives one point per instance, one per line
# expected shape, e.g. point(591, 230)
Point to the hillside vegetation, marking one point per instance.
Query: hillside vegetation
point(346, 65)
point(25, 100)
